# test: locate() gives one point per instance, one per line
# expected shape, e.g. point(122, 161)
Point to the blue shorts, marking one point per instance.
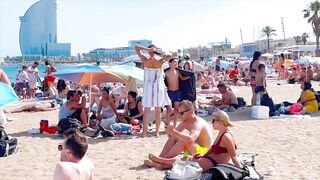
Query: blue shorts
point(175, 96)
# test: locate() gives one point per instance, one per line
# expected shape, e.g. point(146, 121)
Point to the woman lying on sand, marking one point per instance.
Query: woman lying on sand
point(223, 149)
point(36, 107)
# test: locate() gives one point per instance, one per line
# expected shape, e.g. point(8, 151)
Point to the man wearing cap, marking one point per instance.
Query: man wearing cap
point(154, 89)
point(198, 139)
point(75, 108)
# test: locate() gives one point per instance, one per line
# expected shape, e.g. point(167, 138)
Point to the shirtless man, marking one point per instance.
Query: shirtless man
point(95, 95)
point(198, 139)
point(260, 81)
point(172, 76)
point(229, 99)
point(73, 164)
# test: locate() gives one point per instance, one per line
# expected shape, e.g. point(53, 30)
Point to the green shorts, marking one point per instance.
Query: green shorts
point(199, 149)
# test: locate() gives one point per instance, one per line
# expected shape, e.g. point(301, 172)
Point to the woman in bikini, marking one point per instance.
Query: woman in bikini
point(223, 149)
point(252, 72)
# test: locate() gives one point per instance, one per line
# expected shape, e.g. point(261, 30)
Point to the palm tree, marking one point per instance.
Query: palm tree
point(297, 39)
point(268, 31)
point(304, 38)
point(312, 13)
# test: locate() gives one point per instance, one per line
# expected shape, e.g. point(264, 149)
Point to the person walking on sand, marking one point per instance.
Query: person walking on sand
point(154, 89)
point(172, 76)
point(74, 164)
point(33, 75)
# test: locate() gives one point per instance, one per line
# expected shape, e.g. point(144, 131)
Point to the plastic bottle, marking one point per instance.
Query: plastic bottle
point(258, 100)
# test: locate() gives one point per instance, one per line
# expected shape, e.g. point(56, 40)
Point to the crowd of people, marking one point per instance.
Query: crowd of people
point(161, 90)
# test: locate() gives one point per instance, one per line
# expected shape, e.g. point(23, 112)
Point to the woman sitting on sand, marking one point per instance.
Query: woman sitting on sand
point(307, 99)
point(133, 109)
point(223, 149)
point(107, 111)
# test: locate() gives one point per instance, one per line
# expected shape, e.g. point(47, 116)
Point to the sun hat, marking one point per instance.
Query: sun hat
point(222, 116)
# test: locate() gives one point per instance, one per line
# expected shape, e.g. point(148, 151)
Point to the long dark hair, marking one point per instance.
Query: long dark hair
point(256, 56)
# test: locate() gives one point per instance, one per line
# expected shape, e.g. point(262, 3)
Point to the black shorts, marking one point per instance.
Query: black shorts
point(259, 89)
point(217, 68)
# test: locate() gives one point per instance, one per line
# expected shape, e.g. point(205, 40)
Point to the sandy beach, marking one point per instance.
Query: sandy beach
point(291, 145)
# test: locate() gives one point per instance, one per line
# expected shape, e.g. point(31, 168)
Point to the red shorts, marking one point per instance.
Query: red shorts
point(49, 79)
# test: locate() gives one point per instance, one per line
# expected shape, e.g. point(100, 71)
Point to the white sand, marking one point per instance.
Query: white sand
point(290, 145)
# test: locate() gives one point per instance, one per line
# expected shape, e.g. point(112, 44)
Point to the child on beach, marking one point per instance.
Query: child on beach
point(260, 80)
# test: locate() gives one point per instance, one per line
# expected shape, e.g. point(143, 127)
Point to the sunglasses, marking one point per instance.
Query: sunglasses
point(182, 112)
point(60, 147)
point(213, 120)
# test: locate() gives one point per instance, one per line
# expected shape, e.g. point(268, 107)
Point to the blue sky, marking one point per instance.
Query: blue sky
point(171, 24)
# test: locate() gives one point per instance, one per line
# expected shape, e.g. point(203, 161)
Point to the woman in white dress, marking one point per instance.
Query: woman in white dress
point(154, 90)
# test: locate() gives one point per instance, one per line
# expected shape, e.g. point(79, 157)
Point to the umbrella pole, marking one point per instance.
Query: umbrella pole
point(90, 84)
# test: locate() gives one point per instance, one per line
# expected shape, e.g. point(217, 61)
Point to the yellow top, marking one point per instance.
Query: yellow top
point(309, 106)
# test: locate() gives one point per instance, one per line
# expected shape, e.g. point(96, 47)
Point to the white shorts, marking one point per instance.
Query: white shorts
point(107, 122)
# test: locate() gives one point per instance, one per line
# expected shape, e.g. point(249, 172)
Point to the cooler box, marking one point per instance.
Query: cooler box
point(260, 112)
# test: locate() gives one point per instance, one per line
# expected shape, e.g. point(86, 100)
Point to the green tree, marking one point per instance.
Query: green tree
point(268, 31)
point(304, 38)
point(297, 39)
point(312, 14)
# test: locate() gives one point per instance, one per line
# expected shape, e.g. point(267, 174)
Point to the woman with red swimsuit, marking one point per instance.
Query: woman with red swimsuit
point(223, 149)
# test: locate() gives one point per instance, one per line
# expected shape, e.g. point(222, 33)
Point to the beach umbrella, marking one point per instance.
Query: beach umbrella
point(87, 74)
point(267, 55)
point(126, 71)
point(8, 95)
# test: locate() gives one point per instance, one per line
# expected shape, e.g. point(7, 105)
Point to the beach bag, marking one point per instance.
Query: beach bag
point(228, 172)
point(267, 101)
point(241, 102)
point(7, 146)
point(186, 170)
point(68, 123)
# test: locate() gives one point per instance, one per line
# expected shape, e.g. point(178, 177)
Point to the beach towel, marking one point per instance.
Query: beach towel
point(187, 87)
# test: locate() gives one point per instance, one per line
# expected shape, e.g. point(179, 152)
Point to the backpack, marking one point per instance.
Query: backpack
point(68, 123)
point(228, 171)
point(241, 102)
point(7, 146)
point(267, 101)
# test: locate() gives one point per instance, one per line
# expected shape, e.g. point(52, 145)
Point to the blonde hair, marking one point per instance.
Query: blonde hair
point(186, 104)
point(222, 116)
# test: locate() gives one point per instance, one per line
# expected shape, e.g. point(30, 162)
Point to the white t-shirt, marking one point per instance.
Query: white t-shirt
point(33, 75)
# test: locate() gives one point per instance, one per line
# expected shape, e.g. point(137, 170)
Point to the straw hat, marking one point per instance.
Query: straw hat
point(222, 116)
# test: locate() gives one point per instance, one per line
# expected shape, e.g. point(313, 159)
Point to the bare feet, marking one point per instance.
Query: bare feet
point(148, 163)
point(143, 134)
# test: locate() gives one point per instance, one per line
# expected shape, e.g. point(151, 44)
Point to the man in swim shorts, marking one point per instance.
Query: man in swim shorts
point(199, 136)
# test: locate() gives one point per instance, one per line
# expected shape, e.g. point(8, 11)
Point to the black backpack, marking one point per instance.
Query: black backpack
point(267, 101)
point(228, 172)
point(7, 146)
point(68, 123)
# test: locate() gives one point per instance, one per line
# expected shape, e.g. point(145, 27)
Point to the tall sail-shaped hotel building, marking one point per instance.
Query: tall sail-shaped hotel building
point(38, 31)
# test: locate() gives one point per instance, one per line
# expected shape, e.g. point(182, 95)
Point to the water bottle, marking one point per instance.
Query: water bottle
point(258, 100)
